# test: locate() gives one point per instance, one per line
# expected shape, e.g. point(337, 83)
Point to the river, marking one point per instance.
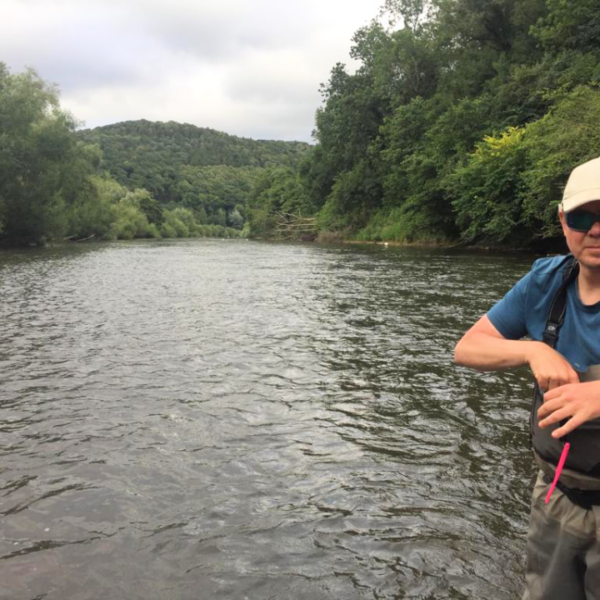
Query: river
point(202, 419)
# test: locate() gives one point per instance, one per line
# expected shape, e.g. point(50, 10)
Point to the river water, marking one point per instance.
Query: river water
point(203, 419)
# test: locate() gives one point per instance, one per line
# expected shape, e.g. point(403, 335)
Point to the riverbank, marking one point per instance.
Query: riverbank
point(29, 242)
point(544, 246)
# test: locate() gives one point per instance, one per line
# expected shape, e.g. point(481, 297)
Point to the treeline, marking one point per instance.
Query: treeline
point(131, 180)
point(462, 123)
point(207, 171)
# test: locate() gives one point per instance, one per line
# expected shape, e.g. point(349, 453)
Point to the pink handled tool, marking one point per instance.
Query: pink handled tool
point(559, 468)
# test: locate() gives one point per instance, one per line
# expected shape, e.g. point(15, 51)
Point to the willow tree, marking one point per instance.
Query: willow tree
point(37, 152)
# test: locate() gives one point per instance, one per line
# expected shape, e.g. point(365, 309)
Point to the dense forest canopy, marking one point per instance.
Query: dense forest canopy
point(133, 179)
point(134, 145)
point(463, 121)
point(206, 171)
point(160, 156)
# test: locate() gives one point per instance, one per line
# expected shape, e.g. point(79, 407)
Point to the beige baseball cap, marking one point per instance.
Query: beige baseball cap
point(583, 185)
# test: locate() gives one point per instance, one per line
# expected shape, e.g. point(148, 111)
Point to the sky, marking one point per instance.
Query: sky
point(248, 68)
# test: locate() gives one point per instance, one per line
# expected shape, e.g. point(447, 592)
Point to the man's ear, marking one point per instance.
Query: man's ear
point(563, 222)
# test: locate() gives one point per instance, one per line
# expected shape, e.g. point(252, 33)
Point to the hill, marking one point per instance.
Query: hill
point(168, 158)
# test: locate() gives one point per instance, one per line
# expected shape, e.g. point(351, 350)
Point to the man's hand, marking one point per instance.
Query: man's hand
point(550, 369)
point(576, 403)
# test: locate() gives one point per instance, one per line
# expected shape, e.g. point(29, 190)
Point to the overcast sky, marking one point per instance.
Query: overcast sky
point(249, 68)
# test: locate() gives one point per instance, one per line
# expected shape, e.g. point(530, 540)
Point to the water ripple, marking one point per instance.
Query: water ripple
point(255, 421)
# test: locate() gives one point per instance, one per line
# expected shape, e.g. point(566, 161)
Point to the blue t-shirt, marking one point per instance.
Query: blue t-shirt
point(525, 309)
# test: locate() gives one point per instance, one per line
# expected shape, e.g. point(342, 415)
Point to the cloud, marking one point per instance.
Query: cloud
point(247, 68)
point(77, 47)
point(218, 31)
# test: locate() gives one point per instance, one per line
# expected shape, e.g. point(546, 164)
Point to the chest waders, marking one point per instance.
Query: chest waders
point(584, 457)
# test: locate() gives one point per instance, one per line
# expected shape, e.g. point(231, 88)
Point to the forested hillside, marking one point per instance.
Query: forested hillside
point(131, 148)
point(152, 155)
point(183, 165)
point(462, 123)
point(133, 179)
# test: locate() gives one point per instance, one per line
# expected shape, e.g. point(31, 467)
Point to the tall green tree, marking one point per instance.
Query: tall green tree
point(432, 137)
point(275, 191)
point(36, 150)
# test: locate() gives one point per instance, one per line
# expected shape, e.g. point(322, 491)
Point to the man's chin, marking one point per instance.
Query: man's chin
point(590, 260)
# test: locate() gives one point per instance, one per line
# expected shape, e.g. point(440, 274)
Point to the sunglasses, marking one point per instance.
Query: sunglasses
point(581, 220)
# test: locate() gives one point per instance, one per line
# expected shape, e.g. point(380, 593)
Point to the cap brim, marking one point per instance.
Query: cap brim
point(579, 199)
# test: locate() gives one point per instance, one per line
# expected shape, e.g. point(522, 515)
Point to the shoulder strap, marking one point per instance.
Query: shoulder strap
point(558, 307)
point(556, 318)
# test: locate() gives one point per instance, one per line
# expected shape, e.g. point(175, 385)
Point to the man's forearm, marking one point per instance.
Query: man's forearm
point(489, 353)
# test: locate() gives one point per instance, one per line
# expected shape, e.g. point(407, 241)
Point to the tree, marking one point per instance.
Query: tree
point(276, 190)
point(36, 149)
point(570, 24)
point(49, 185)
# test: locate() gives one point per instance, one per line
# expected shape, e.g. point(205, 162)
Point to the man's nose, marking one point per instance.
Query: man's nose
point(595, 230)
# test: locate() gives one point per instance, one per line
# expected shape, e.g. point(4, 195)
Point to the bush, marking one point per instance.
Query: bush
point(174, 225)
point(401, 225)
point(167, 231)
point(487, 189)
point(129, 223)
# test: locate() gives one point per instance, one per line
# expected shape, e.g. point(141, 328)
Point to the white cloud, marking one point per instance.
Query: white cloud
point(246, 68)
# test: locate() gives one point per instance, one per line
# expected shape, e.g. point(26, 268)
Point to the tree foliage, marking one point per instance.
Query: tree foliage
point(462, 121)
point(131, 180)
point(37, 149)
point(276, 191)
point(183, 165)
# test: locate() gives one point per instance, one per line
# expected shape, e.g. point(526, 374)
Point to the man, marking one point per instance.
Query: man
point(563, 543)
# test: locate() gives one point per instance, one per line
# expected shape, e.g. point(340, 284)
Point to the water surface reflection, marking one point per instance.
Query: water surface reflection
point(236, 419)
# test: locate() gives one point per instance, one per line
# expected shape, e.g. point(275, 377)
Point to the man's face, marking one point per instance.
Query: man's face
point(585, 246)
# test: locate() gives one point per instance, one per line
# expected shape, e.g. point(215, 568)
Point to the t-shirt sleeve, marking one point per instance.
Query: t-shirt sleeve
point(508, 315)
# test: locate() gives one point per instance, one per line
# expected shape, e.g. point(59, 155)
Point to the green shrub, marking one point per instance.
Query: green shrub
point(167, 231)
point(129, 223)
point(487, 189)
point(175, 225)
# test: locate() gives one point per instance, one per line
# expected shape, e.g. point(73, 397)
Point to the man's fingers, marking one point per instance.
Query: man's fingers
point(550, 383)
point(548, 407)
point(553, 382)
point(554, 411)
point(543, 382)
point(569, 426)
point(555, 416)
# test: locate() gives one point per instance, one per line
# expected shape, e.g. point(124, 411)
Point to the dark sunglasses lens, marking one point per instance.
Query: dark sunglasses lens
point(580, 220)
